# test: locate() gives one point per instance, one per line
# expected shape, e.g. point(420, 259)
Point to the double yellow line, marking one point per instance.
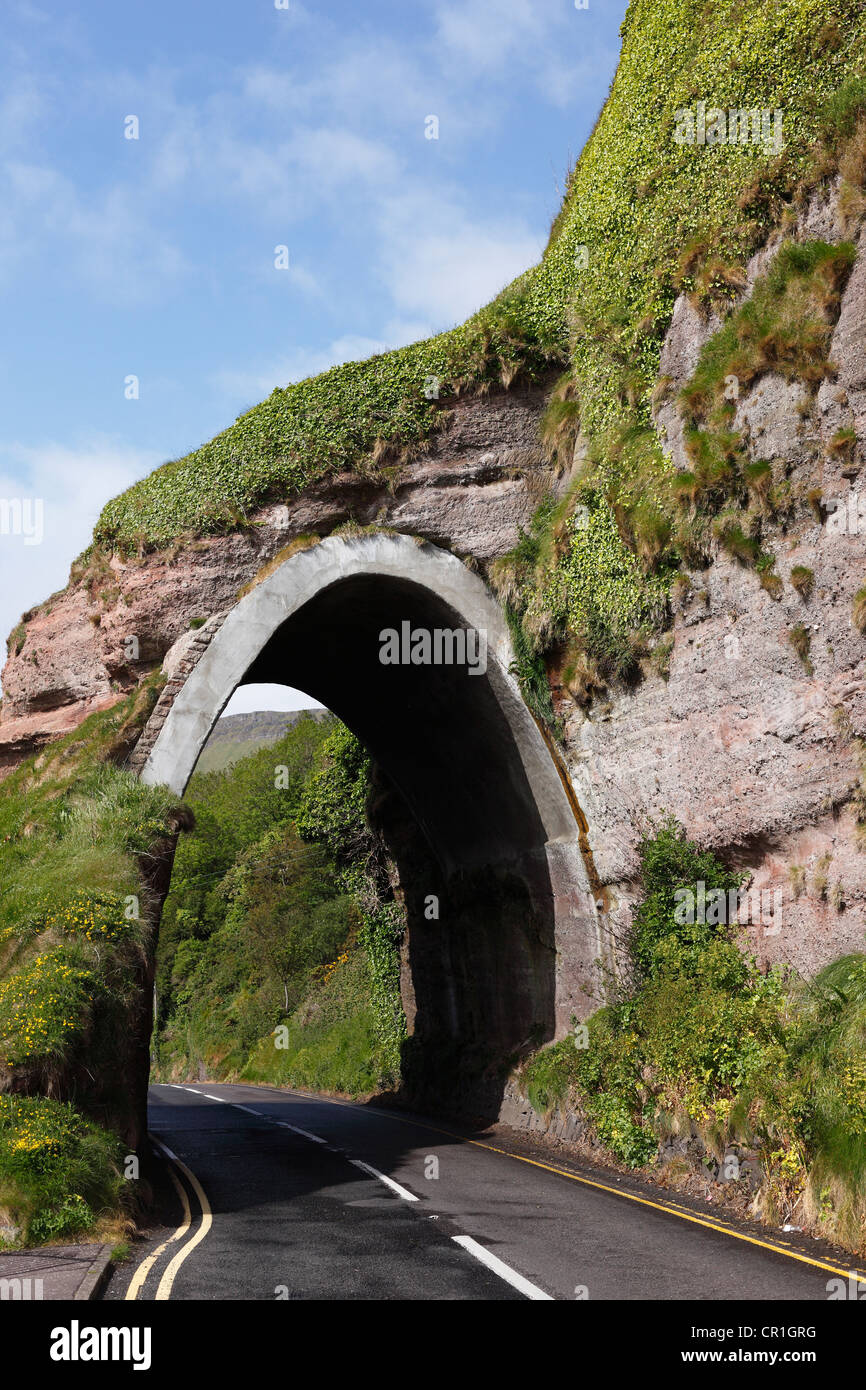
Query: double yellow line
point(164, 1287)
point(668, 1208)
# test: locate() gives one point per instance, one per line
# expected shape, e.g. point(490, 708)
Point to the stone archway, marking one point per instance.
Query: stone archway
point(485, 817)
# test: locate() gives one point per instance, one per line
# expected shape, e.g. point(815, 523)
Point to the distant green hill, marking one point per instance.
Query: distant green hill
point(236, 736)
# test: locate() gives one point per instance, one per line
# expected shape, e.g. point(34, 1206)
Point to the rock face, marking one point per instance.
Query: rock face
point(752, 745)
point(749, 751)
point(471, 494)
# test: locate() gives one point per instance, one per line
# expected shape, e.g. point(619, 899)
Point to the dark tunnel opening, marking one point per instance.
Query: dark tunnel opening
point(456, 811)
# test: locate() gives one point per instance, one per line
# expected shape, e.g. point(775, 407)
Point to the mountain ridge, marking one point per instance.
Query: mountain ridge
point(235, 736)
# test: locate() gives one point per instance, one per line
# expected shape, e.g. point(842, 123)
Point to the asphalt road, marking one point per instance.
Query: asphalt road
point(288, 1199)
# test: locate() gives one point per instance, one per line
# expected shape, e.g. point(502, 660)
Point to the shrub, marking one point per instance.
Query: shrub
point(696, 1032)
point(58, 1172)
point(669, 862)
point(843, 442)
point(16, 639)
point(45, 1006)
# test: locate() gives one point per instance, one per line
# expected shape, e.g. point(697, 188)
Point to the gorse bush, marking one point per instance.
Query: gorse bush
point(58, 1173)
point(45, 1005)
point(75, 916)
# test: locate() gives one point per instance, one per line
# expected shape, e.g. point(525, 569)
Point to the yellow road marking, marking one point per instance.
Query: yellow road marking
point(163, 1291)
point(146, 1266)
point(670, 1210)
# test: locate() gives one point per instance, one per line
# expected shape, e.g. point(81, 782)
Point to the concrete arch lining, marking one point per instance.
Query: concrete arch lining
point(472, 803)
point(258, 616)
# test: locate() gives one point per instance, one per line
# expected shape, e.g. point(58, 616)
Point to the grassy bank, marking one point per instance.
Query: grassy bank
point(697, 1041)
point(78, 837)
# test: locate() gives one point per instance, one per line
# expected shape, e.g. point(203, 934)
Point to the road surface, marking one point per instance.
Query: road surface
point(279, 1195)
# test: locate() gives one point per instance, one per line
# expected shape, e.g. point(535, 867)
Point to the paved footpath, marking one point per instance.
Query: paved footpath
point(54, 1272)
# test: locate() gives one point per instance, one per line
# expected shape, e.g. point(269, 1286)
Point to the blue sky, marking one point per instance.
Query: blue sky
point(258, 127)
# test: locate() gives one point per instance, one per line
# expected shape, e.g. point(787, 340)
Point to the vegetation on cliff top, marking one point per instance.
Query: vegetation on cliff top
point(642, 216)
point(594, 572)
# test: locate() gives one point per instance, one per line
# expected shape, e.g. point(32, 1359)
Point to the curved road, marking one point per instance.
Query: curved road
point(280, 1195)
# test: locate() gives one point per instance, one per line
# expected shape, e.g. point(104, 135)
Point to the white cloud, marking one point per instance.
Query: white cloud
point(374, 86)
point(335, 156)
point(210, 156)
point(380, 77)
point(106, 240)
point(73, 484)
point(435, 277)
point(22, 106)
point(278, 142)
point(399, 331)
point(247, 699)
point(363, 82)
point(485, 36)
point(440, 265)
point(548, 41)
point(279, 138)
